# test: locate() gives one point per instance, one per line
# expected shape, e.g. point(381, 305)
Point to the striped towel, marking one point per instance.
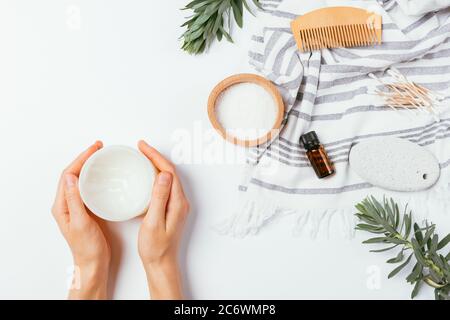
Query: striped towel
point(329, 92)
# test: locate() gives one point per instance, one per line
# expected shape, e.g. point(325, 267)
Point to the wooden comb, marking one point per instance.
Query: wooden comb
point(335, 27)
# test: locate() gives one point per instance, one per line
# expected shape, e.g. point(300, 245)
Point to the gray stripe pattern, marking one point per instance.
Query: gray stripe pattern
point(331, 91)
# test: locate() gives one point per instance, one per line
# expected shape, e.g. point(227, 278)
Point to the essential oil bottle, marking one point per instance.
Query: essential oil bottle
point(317, 155)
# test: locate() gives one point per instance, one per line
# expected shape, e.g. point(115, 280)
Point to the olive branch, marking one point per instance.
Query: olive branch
point(418, 244)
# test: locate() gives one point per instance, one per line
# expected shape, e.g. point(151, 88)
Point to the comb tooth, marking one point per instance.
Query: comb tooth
point(309, 43)
point(342, 36)
point(369, 35)
point(306, 42)
point(348, 36)
point(302, 41)
point(320, 37)
point(360, 35)
point(353, 33)
point(323, 37)
point(366, 35)
point(327, 37)
point(338, 37)
point(313, 39)
point(345, 36)
point(332, 37)
point(337, 32)
point(308, 35)
point(335, 37)
point(316, 39)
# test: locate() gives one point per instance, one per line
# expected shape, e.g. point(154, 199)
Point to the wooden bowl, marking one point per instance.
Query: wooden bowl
point(245, 78)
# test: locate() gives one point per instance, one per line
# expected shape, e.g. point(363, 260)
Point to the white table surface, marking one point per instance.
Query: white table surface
point(73, 71)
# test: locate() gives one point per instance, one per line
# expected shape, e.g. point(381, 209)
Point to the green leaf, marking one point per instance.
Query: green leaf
point(434, 243)
point(396, 240)
point(376, 240)
point(416, 289)
point(369, 228)
point(366, 219)
point(226, 34)
point(418, 253)
point(384, 249)
point(408, 223)
point(443, 242)
point(418, 234)
point(400, 267)
point(397, 259)
point(237, 12)
point(415, 273)
point(428, 234)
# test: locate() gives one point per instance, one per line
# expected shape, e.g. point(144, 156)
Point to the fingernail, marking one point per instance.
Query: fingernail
point(70, 180)
point(164, 178)
point(143, 142)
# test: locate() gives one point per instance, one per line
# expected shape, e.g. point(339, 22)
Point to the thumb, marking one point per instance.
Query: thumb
point(160, 196)
point(75, 205)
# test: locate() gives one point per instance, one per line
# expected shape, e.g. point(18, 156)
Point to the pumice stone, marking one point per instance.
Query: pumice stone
point(394, 164)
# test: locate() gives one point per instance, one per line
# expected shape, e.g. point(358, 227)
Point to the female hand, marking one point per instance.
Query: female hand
point(90, 249)
point(161, 229)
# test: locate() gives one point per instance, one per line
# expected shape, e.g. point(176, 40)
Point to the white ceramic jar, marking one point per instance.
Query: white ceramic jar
point(116, 183)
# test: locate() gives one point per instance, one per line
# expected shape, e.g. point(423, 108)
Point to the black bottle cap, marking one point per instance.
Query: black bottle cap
point(310, 140)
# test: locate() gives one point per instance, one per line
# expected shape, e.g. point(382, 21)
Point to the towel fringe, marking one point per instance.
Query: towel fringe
point(253, 215)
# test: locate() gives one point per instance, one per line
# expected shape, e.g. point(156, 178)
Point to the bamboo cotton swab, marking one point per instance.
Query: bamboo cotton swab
point(405, 94)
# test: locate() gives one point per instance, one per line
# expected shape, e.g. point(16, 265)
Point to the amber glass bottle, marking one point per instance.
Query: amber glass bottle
point(317, 155)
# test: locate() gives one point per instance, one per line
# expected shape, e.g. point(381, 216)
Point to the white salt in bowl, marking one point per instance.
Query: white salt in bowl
point(246, 109)
point(116, 183)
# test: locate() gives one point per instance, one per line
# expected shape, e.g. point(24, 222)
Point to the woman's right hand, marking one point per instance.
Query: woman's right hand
point(161, 229)
point(80, 228)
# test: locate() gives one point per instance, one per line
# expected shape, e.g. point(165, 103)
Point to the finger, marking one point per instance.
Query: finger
point(60, 206)
point(77, 164)
point(176, 214)
point(156, 214)
point(162, 164)
point(77, 211)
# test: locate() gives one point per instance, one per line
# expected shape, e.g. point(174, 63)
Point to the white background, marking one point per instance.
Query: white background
point(116, 73)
